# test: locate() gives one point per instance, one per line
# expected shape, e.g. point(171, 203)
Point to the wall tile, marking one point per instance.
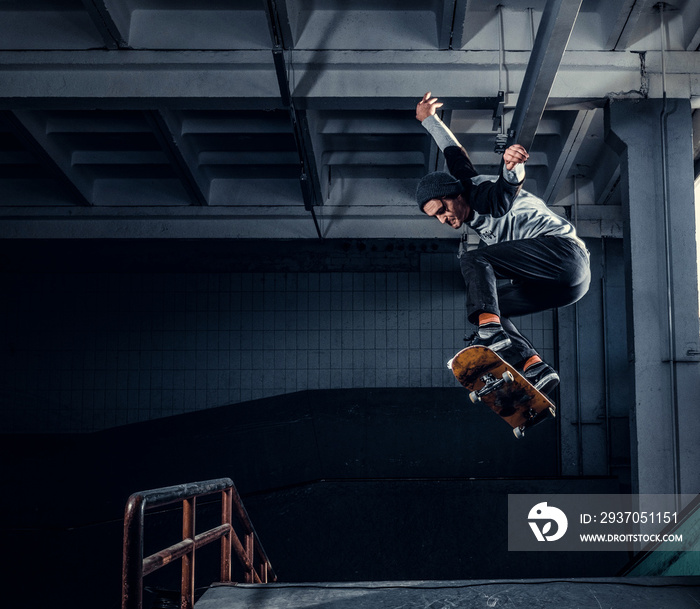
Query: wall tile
point(84, 352)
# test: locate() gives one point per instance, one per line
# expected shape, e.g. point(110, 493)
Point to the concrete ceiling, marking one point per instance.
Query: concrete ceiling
point(295, 118)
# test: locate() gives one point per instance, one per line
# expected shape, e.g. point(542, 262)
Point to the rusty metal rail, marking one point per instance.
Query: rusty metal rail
point(249, 551)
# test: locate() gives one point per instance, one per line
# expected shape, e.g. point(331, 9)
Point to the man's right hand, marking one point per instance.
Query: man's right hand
point(427, 106)
point(513, 155)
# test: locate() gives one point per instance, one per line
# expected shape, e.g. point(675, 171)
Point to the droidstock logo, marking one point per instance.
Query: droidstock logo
point(541, 518)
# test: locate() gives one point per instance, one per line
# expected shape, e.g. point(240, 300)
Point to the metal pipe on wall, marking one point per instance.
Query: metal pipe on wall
point(670, 325)
point(577, 346)
point(606, 357)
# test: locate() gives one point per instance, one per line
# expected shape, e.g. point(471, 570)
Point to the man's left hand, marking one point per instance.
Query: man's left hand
point(427, 106)
point(513, 155)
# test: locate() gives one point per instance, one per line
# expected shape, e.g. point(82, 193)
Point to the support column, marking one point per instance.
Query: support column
point(654, 141)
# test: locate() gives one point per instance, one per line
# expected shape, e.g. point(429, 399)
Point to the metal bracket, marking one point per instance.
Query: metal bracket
point(502, 140)
point(498, 111)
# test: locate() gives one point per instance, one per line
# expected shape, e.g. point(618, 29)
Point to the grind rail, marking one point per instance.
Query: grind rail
point(249, 551)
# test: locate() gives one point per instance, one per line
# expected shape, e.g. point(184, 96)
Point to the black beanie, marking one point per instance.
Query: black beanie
point(435, 185)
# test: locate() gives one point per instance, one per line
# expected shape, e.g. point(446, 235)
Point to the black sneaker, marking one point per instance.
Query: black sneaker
point(492, 336)
point(542, 376)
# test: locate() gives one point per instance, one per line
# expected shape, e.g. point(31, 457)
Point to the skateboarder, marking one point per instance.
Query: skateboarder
point(547, 264)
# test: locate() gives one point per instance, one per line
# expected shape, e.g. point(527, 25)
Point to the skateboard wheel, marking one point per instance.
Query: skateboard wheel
point(474, 397)
point(508, 376)
point(518, 433)
point(552, 411)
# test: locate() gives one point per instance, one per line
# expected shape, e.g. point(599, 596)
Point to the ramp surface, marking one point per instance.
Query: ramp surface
point(616, 593)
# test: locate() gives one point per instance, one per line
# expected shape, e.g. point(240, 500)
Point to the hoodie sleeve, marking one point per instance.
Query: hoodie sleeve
point(496, 198)
point(458, 161)
point(440, 132)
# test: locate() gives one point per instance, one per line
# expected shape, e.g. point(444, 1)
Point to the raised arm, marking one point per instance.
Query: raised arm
point(458, 160)
point(494, 198)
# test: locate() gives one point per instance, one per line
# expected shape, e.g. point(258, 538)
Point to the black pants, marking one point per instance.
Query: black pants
point(545, 273)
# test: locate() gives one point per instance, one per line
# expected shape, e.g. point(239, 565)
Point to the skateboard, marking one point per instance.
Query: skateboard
point(493, 381)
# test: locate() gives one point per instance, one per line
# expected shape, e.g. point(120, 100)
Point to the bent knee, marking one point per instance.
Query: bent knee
point(572, 293)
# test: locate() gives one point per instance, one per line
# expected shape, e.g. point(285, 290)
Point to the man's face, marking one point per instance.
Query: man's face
point(449, 211)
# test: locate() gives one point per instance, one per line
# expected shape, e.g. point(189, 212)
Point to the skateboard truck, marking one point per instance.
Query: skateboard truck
point(491, 383)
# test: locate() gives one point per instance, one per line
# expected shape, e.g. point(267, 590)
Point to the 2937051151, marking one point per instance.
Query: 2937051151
point(635, 517)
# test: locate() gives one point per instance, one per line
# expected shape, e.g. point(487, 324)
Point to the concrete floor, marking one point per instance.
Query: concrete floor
point(641, 593)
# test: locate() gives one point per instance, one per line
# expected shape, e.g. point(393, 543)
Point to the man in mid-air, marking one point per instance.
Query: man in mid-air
point(547, 264)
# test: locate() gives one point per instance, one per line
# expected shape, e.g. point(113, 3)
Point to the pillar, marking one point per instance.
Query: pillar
point(654, 141)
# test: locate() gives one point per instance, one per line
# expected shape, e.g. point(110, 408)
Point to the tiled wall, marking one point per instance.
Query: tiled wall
point(84, 352)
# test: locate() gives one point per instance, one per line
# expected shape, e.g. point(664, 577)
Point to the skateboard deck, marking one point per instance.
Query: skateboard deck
point(493, 381)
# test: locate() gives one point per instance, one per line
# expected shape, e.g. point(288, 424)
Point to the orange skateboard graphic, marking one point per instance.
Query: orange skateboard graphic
point(493, 381)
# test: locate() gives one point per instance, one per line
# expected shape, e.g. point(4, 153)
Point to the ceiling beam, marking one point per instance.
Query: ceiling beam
point(139, 79)
point(318, 80)
point(251, 222)
point(446, 24)
point(30, 129)
point(625, 22)
point(105, 24)
point(576, 137)
point(461, 9)
point(168, 132)
point(609, 190)
point(553, 33)
point(691, 26)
